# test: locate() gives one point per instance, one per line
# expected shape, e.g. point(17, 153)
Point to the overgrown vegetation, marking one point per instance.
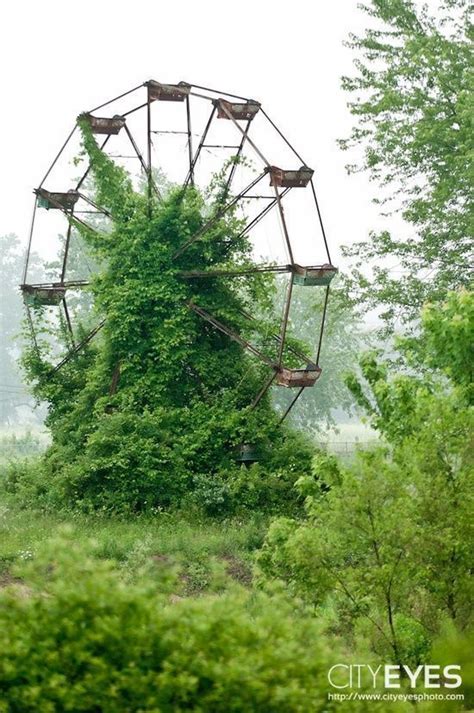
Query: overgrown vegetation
point(385, 552)
point(154, 409)
point(175, 579)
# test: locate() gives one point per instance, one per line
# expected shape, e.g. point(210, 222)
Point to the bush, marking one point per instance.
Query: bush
point(74, 636)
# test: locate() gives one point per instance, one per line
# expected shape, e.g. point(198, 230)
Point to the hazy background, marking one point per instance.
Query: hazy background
point(59, 59)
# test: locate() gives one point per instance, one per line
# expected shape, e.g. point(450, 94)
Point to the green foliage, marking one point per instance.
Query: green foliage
point(448, 338)
point(343, 339)
point(76, 636)
point(412, 100)
point(387, 542)
point(457, 646)
point(159, 401)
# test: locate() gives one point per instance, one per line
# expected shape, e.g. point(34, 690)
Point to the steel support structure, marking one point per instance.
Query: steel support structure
point(275, 201)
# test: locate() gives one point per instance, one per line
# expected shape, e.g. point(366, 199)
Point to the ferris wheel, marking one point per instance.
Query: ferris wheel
point(181, 135)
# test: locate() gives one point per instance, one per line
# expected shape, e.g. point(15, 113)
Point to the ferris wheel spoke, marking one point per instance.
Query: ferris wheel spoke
point(263, 390)
point(28, 247)
point(217, 217)
point(323, 320)
point(58, 156)
point(282, 136)
point(190, 176)
point(84, 176)
point(215, 91)
point(262, 214)
point(230, 333)
point(292, 403)
point(66, 251)
point(120, 96)
point(313, 190)
point(142, 161)
point(237, 156)
point(68, 321)
point(284, 323)
point(244, 133)
point(78, 347)
point(190, 139)
point(283, 225)
point(236, 272)
point(277, 338)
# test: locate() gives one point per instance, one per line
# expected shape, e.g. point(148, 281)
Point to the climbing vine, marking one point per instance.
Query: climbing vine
point(155, 406)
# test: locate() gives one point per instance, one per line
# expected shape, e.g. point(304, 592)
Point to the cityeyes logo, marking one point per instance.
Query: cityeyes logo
point(360, 675)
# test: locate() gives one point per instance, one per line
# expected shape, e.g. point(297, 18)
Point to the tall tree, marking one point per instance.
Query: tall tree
point(12, 392)
point(413, 105)
point(386, 550)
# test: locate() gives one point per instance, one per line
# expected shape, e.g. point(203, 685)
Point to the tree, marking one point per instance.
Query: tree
point(413, 102)
point(343, 339)
point(388, 539)
point(12, 392)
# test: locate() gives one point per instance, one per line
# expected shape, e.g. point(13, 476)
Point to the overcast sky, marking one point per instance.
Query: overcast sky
point(59, 58)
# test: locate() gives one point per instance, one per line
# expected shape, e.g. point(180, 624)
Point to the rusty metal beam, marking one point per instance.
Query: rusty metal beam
point(66, 249)
point(282, 136)
point(245, 135)
point(111, 101)
point(323, 320)
point(142, 160)
point(215, 91)
point(83, 178)
point(199, 149)
point(263, 390)
point(71, 284)
point(292, 403)
point(234, 164)
point(230, 333)
point(68, 321)
point(220, 213)
point(237, 272)
point(28, 248)
point(283, 225)
point(57, 156)
point(190, 140)
point(262, 214)
point(320, 221)
point(78, 347)
point(277, 338)
point(284, 323)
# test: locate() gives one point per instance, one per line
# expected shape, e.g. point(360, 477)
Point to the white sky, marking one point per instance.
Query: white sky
point(59, 58)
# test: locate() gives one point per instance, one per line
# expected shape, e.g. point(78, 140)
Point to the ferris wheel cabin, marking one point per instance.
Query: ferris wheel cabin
point(290, 178)
point(236, 110)
point(167, 92)
point(61, 201)
point(103, 125)
point(36, 296)
point(317, 275)
point(291, 378)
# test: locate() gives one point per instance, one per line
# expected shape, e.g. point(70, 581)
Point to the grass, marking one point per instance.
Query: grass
point(205, 551)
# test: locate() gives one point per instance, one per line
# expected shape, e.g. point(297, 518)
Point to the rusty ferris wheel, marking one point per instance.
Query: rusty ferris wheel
point(266, 180)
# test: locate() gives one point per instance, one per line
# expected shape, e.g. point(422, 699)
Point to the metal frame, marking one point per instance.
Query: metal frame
point(219, 110)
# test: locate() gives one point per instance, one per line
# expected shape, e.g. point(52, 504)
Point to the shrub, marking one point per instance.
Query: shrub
point(76, 637)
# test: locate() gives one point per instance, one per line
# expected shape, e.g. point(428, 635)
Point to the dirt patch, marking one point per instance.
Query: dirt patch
point(6, 579)
point(160, 559)
point(237, 569)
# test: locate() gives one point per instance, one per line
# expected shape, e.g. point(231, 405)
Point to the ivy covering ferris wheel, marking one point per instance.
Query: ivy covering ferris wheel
point(183, 135)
